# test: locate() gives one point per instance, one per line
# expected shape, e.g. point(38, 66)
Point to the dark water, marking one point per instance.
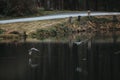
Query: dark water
point(96, 58)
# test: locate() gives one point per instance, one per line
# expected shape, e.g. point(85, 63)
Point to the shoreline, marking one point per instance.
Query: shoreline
point(64, 27)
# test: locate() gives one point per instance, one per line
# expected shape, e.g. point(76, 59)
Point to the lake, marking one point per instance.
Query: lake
point(81, 57)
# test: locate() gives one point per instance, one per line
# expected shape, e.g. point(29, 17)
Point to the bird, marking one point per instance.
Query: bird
point(80, 42)
point(77, 43)
point(33, 50)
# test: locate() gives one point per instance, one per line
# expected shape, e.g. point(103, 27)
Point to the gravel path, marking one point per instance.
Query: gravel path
point(58, 16)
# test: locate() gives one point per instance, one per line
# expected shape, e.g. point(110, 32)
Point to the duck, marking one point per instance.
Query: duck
point(33, 50)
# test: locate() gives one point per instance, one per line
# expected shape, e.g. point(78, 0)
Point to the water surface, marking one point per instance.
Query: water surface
point(83, 58)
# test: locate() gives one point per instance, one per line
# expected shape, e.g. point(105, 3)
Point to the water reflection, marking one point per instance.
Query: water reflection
point(92, 58)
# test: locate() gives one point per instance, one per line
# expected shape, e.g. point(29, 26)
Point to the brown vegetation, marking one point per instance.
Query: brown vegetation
point(61, 27)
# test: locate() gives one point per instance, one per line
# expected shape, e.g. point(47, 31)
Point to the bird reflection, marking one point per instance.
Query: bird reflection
point(79, 69)
point(33, 65)
point(118, 52)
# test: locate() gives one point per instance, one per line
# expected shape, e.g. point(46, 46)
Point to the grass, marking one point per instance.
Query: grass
point(59, 30)
point(9, 37)
point(30, 26)
point(54, 28)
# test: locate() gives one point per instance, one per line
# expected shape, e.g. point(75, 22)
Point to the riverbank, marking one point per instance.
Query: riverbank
point(63, 27)
point(84, 24)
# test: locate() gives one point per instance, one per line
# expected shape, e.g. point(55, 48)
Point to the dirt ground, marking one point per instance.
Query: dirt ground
point(30, 26)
